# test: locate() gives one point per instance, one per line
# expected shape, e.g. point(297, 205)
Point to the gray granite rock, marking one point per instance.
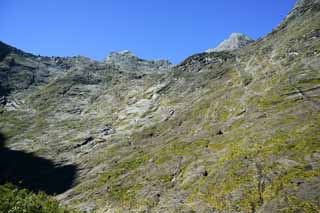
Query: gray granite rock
point(234, 42)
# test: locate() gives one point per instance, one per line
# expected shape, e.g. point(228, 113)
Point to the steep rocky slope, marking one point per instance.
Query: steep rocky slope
point(230, 131)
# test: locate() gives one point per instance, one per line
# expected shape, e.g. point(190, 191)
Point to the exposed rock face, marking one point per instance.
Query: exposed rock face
point(234, 131)
point(19, 70)
point(234, 42)
point(127, 61)
point(304, 3)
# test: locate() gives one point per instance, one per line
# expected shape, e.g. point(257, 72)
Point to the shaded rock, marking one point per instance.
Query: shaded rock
point(84, 142)
point(107, 130)
point(3, 100)
point(220, 132)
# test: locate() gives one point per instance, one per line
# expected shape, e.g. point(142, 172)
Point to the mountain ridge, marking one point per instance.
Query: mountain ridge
point(127, 61)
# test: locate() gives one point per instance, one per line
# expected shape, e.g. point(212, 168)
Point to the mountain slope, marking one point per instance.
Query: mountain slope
point(221, 132)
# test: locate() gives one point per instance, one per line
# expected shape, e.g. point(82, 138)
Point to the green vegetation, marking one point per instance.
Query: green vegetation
point(13, 200)
point(117, 189)
point(176, 149)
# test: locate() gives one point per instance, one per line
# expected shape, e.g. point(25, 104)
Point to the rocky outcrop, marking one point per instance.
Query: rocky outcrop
point(127, 61)
point(234, 42)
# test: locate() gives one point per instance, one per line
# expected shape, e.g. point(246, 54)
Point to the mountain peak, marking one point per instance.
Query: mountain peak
point(123, 53)
point(234, 42)
point(238, 35)
point(119, 55)
point(125, 60)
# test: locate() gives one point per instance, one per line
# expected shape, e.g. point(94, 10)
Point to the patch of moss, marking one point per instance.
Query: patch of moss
point(124, 194)
point(13, 123)
point(116, 179)
point(297, 205)
point(177, 148)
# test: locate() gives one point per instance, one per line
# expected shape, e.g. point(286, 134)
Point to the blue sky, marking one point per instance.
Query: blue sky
point(171, 29)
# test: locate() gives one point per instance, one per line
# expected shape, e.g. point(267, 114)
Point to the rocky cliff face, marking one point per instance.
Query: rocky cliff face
point(234, 42)
point(234, 131)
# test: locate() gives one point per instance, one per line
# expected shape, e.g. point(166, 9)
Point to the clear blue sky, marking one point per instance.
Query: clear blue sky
point(152, 29)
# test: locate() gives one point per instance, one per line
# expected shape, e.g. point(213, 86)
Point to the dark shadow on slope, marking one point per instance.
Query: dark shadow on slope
point(28, 171)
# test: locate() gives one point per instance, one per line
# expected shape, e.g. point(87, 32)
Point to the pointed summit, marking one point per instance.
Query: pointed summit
point(234, 42)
